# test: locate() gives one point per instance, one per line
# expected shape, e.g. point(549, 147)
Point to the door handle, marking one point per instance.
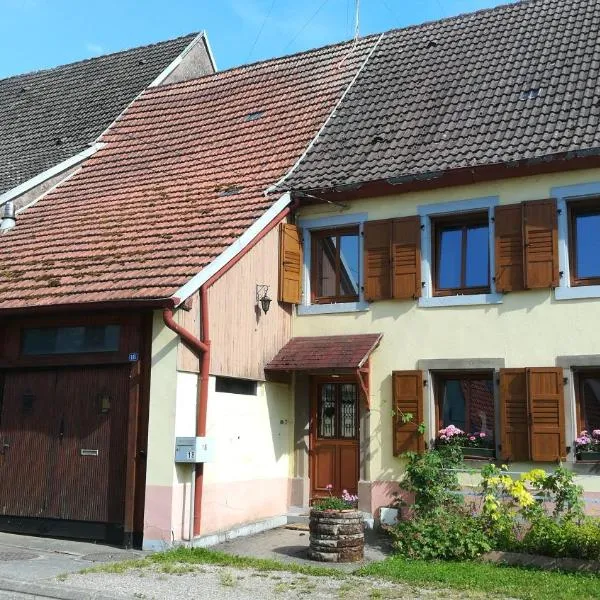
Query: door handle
point(5, 446)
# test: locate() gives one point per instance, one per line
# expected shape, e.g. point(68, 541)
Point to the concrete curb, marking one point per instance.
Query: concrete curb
point(50, 590)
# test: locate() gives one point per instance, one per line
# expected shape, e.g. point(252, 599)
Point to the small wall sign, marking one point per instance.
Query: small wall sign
point(133, 356)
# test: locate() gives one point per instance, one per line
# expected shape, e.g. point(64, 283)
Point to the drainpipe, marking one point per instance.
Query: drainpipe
point(202, 350)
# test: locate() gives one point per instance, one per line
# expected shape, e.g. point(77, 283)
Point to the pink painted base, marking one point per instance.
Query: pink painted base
point(227, 504)
point(157, 513)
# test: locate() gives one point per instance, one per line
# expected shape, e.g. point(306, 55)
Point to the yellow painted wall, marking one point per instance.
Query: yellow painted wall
point(529, 329)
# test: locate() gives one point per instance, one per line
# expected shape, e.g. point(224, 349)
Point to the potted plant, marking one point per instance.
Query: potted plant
point(336, 529)
point(587, 447)
point(472, 445)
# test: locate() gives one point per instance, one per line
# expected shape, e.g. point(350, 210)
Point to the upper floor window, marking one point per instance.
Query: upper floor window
point(461, 254)
point(334, 271)
point(584, 243)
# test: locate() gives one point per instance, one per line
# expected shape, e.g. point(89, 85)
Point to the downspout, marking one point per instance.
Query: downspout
point(202, 350)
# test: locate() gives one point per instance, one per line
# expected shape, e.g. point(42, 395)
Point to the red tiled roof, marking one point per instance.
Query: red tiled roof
point(151, 209)
point(326, 352)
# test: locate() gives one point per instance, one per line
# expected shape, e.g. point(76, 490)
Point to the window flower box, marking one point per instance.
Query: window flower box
point(472, 445)
point(478, 452)
point(587, 446)
point(589, 456)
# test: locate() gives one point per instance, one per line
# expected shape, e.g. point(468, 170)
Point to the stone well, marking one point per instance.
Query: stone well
point(336, 536)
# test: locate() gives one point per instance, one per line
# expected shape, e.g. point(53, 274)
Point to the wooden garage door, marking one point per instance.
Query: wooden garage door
point(63, 439)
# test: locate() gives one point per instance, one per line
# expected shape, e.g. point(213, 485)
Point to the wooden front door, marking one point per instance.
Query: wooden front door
point(334, 437)
point(63, 443)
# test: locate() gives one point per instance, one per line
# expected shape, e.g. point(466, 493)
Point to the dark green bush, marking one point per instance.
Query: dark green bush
point(563, 538)
point(445, 535)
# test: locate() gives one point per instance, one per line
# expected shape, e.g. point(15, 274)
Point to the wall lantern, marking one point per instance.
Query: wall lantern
point(262, 297)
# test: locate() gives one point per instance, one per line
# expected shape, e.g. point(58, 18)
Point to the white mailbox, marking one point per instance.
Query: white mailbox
point(194, 450)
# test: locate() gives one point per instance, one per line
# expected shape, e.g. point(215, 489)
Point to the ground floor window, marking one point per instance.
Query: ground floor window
point(465, 400)
point(588, 404)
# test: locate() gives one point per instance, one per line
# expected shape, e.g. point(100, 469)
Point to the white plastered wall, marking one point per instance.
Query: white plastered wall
point(249, 480)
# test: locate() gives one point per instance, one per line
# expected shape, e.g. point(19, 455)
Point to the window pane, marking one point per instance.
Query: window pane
point(590, 409)
point(349, 265)
point(588, 245)
point(469, 405)
point(71, 340)
point(326, 256)
point(477, 257)
point(453, 407)
point(450, 260)
point(480, 393)
point(348, 410)
point(326, 416)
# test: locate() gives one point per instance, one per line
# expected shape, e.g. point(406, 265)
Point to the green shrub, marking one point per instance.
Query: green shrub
point(432, 479)
point(563, 538)
point(445, 535)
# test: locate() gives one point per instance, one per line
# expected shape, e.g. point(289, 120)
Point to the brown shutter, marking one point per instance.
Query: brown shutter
point(408, 398)
point(547, 414)
point(509, 248)
point(514, 421)
point(290, 263)
point(541, 244)
point(377, 242)
point(406, 258)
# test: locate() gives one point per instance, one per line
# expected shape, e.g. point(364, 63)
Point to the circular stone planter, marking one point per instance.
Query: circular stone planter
point(336, 536)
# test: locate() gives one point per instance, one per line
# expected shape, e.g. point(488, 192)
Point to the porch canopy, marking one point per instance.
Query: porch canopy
point(328, 354)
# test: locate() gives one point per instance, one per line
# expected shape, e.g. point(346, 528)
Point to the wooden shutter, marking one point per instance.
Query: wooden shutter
point(541, 244)
point(547, 414)
point(509, 248)
point(514, 418)
point(408, 398)
point(377, 242)
point(290, 263)
point(406, 258)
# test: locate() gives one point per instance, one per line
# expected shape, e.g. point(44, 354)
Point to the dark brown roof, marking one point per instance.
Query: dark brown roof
point(326, 352)
point(514, 83)
point(51, 115)
point(182, 175)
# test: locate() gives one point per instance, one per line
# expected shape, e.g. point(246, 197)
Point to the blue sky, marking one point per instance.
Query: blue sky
point(36, 34)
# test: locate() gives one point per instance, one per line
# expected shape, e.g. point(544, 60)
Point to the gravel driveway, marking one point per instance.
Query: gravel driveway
point(207, 581)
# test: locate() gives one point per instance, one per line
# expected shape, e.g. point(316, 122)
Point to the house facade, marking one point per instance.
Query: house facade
point(281, 277)
point(457, 218)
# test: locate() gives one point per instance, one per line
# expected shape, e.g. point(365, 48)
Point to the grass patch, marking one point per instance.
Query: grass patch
point(516, 582)
point(197, 556)
point(470, 576)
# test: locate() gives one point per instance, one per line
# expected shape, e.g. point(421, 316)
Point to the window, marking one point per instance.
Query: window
point(231, 385)
point(461, 255)
point(588, 401)
point(70, 340)
point(466, 400)
point(335, 265)
point(337, 413)
point(584, 242)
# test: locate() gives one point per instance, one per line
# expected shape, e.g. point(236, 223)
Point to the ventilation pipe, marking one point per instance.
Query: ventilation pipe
point(8, 216)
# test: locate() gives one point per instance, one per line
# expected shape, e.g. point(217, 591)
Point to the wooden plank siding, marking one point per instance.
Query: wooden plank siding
point(190, 320)
point(243, 339)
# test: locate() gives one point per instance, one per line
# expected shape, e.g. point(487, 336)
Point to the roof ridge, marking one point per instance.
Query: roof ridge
point(100, 57)
point(508, 5)
point(190, 82)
